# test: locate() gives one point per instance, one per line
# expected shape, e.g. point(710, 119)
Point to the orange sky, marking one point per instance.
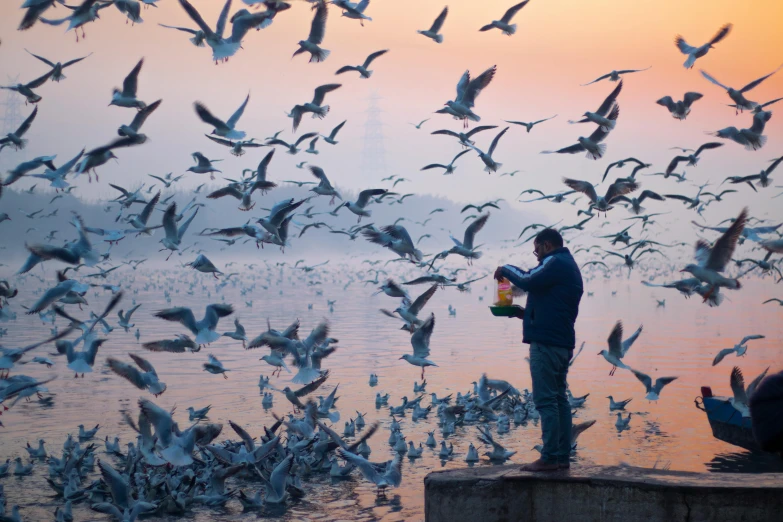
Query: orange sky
point(559, 44)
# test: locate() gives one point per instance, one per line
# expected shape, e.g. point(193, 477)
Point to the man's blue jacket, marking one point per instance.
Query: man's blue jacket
point(554, 290)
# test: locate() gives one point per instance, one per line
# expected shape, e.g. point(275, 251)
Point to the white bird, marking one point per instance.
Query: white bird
point(204, 265)
point(354, 11)
point(199, 414)
point(498, 453)
point(529, 125)
point(433, 33)
point(619, 405)
point(132, 130)
point(316, 36)
point(330, 139)
point(739, 348)
point(751, 138)
point(618, 347)
point(124, 322)
point(386, 475)
point(316, 107)
point(740, 394)
point(204, 330)
point(420, 341)
point(622, 424)
point(466, 247)
point(238, 334)
point(362, 69)
point(82, 362)
point(175, 446)
point(694, 53)
point(613, 192)
point(606, 115)
point(174, 235)
point(81, 15)
point(614, 75)
point(146, 379)
point(57, 68)
point(56, 293)
point(680, 109)
point(15, 138)
point(215, 367)
point(490, 165)
point(738, 95)
point(591, 144)
point(450, 168)
point(361, 202)
point(467, 92)
point(711, 261)
point(203, 165)
point(126, 97)
point(223, 129)
point(653, 391)
point(504, 23)
point(26, 89)
point(324, 187)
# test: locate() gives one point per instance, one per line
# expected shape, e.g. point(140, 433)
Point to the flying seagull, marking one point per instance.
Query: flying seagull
point(503, 24)
point(697, 52)
point(614, 75)
point(223, 129)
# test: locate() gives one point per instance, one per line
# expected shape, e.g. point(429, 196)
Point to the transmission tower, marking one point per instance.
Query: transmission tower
point(373, 152)
point(10, 109)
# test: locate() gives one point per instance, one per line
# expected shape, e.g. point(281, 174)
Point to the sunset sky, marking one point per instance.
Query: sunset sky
point(559, 44)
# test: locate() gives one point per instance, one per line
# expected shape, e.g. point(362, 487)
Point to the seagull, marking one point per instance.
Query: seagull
point(614, 75)
point(316, 107)
point(739, 348)
point(433, 33)
point(467, 92)
point(409, 311)
point(71, 254)
point(680, 109)
point(751, 138)
point(385, 475)
point(621, 163)
point(132, 130)
point(177, 345)
point(330, 139)
point(293, 148)
point(10, 356)
point(490, 165)
point(223, 48)
point(86, 12)
point(57, 68)
point(324, 187)
point(740, 393)
point(34, 10)
point(713, 260)
point(529, 125)
point(204, 265)
point(396, 238)
point(464, 137)
point(362, 69)
point(635, 204)
point(465, 248)
point(146, 379)
point(238, 334)
point(223, 129)
point(124, 322)
point(15, 138)
point(619, 347)
point(361, 202)
point(619, 405)
point(653, 392)
point(26, 89)
point(697, 52)
point(54, 294)
point(420, 340)
point(498, 453)
point(692, 159)
point(606, 115)
point(278, 213)
point(503, 24)
point(422, 122)
point(450, 168)
point(174, 235)
point(316, 36)
point(101, 155)
point(82, 362)
point(203, 165)
point(215, 367)
point(738, 95)
point(762, 177)
point(592, 144)
point(354, 11)
point(602, 203)
point(126, 97)
point(204, 330)
point(293, 396)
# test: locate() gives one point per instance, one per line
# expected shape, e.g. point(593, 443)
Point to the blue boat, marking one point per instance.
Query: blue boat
point(726, 422)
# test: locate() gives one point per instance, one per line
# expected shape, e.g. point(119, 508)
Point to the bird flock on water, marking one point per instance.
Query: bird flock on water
point(169, 468)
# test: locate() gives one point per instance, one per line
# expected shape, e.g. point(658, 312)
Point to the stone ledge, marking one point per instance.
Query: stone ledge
point(600, 493)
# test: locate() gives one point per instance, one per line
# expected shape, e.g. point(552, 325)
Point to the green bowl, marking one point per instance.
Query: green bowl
point(504, 311)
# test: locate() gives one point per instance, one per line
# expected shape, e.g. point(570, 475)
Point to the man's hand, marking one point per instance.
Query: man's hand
point(519, 312)
point(498, 276)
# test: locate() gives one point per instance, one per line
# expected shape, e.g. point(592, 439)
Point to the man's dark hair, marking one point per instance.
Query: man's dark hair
point(551, 236)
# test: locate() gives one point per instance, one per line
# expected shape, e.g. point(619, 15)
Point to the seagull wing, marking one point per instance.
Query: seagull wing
point(643, 378)
point(683, 46)
point(724, 247)
point(131, 82)
point(207, 117)
point(44, 60)
point(737, 381)
point(473, 229)
point(713, 80)
point(417, 305)
point(40, 80)
point(585, 187)
point(127, 372)
point(373, 56)
point(142, 115)
point(438, 23)
point(318, 26)
point(722, 33)
point(750, 338)
point(597, 79)
point(230, 190)
point(615, 341)
point(180, 315)
point(365, 195)
point(626, 344)
point(619, 189)
point(142, 363)
point(25, 126)
point(420, 340)
point(476, 85)
point(691, 97)
point(321, 91)
point(708, 146)
point(495, 141)
point(310, 388)
point(722, 354)
point(196, 17)
point(512, 11)
point(609, 101)
point(232, 121)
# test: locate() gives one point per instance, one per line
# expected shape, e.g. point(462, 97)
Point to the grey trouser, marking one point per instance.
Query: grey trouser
point(549, 368)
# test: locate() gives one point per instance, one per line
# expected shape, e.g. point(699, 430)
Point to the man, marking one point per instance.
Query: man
point(554, 290)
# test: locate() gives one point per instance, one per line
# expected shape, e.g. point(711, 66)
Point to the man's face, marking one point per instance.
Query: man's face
point(541, 249)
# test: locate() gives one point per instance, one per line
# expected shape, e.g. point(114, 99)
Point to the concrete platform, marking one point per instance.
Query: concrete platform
point(600, 493)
